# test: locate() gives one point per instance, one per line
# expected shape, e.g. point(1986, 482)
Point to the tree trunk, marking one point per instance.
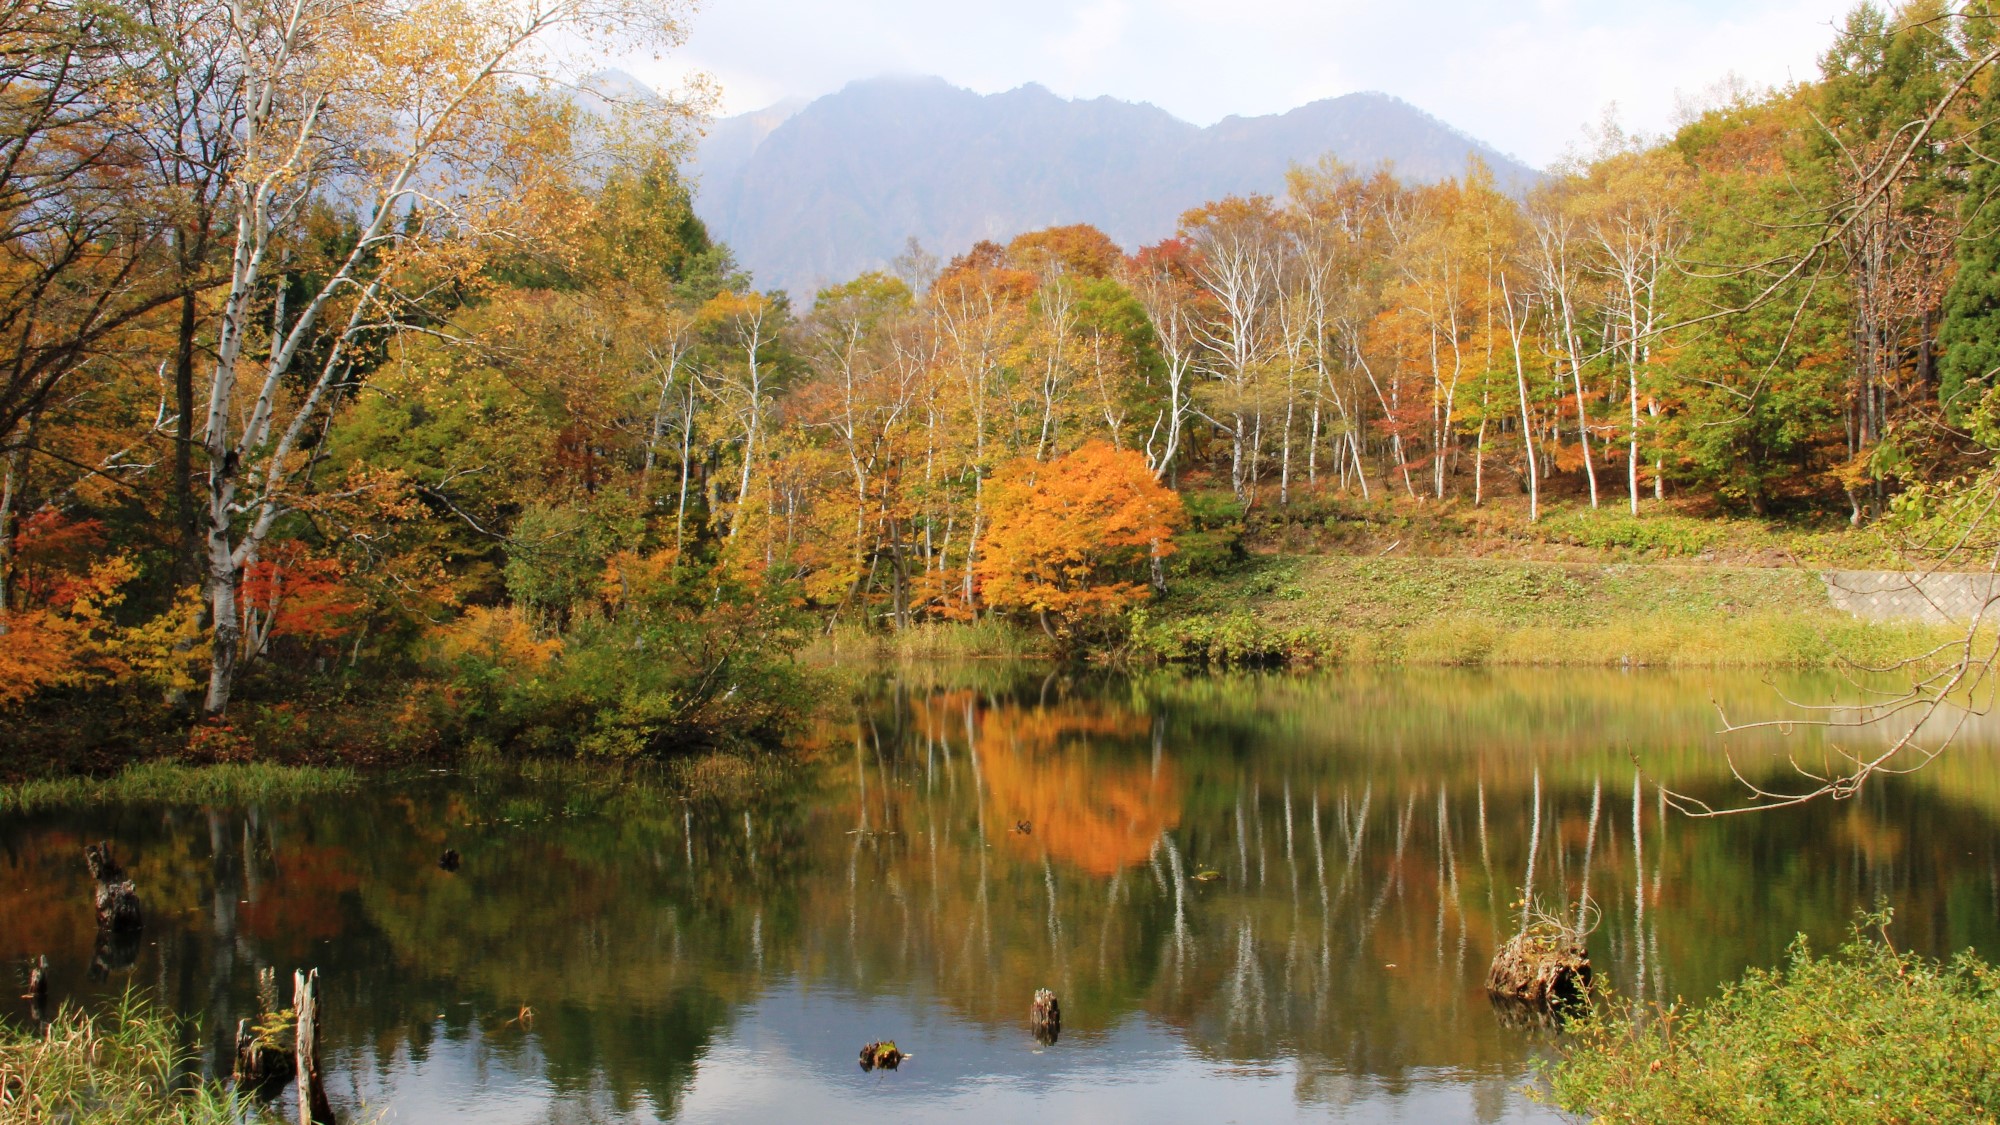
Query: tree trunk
point(314, 1109)
point(10, 491)
point(1632, 452)
point(187, 558)
point(226, 625)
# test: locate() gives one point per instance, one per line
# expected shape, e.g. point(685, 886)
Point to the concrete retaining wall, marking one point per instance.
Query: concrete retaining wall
point(1936, 599)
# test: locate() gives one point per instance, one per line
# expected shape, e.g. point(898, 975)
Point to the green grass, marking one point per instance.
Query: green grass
point(125, 1065)
point(231, 784)
point(1364, 610)
point(1866, 1035)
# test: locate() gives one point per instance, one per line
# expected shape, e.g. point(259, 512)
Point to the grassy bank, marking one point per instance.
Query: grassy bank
point(1568, 531)
point(123, 1065)
point(227, 784)
point(1361, 610)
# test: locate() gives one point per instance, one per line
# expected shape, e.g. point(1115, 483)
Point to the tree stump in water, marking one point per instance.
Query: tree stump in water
point(314, 1109)
point(262, 1065)
point(117, 898)
point(264, 1061)
point(37, 995)
point(1045, 1017)
point(1544, 967)
point(113, 951)
point(883, 1054)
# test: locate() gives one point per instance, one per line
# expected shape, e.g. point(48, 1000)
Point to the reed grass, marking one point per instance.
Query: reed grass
point(127, 1064)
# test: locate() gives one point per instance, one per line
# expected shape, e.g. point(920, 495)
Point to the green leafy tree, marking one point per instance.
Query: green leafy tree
point(1969, 329)
point(1757, 381)
point(1969, 337)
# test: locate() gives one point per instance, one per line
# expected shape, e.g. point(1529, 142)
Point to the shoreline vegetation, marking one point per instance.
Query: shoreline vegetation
point(226, 783)
point(129, 1063)
point(1326, 611)
point(720, 775)
point(1357, 587)
point(1864, 1034)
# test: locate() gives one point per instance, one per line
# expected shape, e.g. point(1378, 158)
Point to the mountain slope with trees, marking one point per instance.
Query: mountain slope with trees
point(810, 195)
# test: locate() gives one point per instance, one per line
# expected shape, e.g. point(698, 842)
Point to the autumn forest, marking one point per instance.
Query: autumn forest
point(353, 352)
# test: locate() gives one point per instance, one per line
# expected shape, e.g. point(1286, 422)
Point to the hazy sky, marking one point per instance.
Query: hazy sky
point(1525, 76)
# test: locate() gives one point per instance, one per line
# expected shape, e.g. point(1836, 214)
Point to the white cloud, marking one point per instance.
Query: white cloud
point(1525, 77)
point(1096, 33)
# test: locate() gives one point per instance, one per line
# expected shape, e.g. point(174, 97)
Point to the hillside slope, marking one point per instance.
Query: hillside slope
point(837, 187)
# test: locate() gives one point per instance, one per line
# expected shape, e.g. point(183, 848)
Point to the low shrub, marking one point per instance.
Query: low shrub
point(1233, 641)
point(1212, 540)
point(1865, 1035)
point(1663, 536)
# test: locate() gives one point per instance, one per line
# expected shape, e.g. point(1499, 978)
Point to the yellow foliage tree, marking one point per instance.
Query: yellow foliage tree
point(76, 641)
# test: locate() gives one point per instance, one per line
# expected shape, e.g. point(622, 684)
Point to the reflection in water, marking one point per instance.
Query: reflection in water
point(1255, 897)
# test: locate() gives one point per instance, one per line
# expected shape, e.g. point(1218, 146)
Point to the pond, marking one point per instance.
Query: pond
point(1258, 897)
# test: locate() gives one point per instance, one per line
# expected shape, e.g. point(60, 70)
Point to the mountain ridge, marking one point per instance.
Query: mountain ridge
point(813, 194)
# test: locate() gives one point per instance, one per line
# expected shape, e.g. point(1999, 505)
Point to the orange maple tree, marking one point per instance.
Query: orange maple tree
point(1075, 537)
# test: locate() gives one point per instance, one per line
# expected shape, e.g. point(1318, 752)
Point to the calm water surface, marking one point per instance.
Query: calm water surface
point(1259, 898)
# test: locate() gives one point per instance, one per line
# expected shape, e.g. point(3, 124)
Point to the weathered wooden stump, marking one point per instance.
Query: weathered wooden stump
point(1545, 968)
point(263, 1066)
point(264, 1061)
point(314, 1109)
point(1045, 1017)
point(117, 898)
point(113, 951)
point(883, 1054)
point(37, 995)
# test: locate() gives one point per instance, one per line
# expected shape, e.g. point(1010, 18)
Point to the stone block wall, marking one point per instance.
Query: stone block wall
point(1935, 599)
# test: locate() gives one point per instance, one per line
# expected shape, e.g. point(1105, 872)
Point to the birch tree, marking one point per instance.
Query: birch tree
point(420, 121)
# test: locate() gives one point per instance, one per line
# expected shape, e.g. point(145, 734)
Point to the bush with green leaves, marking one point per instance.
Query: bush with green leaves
point(1212, 540)
point(1868, 1034)
point(556, 554)
point(682, 660)
point(1665, 536)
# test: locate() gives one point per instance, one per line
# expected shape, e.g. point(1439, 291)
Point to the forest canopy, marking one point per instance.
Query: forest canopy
point(341, 357)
